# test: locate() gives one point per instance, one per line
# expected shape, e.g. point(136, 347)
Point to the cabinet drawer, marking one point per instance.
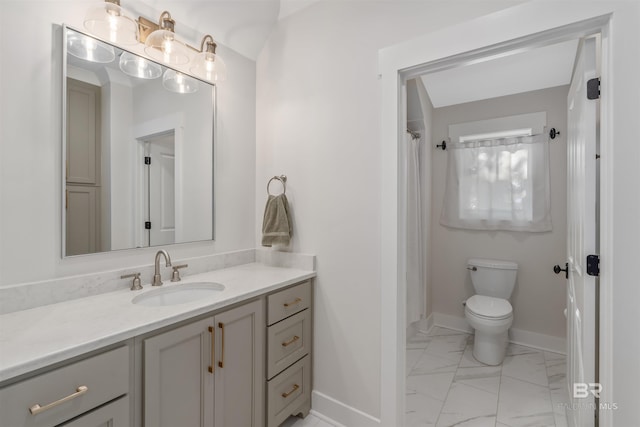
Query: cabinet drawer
point(105, 376)
point(288, 391)
point(114, 414)
point(290, 301)
point(288, 341)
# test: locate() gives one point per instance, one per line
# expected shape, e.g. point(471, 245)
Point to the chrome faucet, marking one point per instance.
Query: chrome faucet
point(157, 279)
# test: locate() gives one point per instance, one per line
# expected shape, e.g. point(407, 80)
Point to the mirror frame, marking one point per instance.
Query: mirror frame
point(63, 143)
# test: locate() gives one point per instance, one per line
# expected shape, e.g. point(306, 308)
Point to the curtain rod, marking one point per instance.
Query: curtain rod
point(553, 133)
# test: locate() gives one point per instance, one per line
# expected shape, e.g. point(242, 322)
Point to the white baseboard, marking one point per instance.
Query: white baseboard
point(338, 414)
point(425, 325)
point(452, 322)
point(516, 336)
point(422, 326)
point(539, 341)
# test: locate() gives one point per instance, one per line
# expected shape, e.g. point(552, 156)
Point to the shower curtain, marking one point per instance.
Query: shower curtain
point(416, 298)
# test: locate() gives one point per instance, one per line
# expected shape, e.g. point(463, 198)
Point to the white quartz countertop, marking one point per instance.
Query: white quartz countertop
point(39, 337)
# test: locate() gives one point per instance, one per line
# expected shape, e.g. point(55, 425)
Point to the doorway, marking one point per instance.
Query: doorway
point(408, 67)
point(529, 383)
point(158, 189)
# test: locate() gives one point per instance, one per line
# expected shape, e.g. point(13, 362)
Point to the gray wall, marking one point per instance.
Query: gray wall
point(539, 297)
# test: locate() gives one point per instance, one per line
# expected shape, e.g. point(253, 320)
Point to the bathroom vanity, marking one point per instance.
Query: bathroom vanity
point(238, 356)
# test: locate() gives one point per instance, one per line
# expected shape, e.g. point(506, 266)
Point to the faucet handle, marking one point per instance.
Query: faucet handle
point(135, 285)
point(175, 276)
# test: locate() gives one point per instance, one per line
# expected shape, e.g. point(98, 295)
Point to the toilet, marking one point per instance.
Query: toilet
point(489, 312)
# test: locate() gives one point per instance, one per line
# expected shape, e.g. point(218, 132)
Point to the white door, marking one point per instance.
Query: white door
point(162, 207)
point(581, 240)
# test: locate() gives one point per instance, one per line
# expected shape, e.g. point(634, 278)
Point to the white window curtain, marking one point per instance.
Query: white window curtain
point(498, 184)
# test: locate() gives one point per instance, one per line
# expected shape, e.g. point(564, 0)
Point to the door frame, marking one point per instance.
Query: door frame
point(510, 31)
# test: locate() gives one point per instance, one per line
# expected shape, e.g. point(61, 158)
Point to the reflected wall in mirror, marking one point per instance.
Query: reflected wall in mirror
point(138, 144)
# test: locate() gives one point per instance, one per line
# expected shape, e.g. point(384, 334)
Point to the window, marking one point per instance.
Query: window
point(498, 183)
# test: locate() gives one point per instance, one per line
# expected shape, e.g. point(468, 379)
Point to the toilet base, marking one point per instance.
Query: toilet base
point(489, 348)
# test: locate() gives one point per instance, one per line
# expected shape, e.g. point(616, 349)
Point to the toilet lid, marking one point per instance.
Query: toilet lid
point(495, 308)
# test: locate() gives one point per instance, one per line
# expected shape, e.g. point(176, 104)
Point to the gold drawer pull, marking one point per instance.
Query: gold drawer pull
point(294, 302)
point(36, 409)
point(212, 331)
point(287, 394)
point(291, 341)
point(221, 361)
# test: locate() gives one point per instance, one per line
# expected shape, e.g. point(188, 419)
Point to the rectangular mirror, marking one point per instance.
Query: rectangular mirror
point(137, 151)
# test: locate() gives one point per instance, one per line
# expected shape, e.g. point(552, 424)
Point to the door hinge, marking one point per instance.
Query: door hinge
point(593, 265)
point(147, 225)
point(593, 88)
point(147, 160)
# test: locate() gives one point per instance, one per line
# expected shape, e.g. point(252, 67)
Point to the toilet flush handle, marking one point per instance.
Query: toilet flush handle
point(474, 268)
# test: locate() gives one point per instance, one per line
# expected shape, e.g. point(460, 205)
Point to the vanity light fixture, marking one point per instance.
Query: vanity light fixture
point(89, 49)
point(178, 82)
point(162, 45)
point(207, 64)
point(109, 22)
point(136, 66)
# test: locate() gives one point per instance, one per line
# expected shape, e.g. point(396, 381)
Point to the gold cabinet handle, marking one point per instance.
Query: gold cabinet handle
point(291, 341)
point(212, 331)
point(294, 302)
point(36, 409)
point(290, 392)
point(221, 362)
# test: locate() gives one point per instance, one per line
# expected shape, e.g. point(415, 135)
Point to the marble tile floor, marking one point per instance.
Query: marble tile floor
point(446, 386)
point(308, 421)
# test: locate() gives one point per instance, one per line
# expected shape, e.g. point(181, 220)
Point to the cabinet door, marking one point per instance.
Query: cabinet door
point(83, 132)
point(239, 373)
point(178, 387)
point(115, 414)
point(82, 220)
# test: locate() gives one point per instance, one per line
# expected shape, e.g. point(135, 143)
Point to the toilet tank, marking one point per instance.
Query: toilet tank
point(492, 277)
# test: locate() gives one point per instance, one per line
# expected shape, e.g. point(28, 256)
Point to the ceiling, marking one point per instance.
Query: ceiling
point(535, 69)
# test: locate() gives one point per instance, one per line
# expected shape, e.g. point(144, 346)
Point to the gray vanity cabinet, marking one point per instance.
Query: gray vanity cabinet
point(289, 337)
point(207, 373)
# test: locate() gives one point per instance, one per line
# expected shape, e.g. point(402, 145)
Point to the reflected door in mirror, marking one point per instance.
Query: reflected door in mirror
point(161, 189)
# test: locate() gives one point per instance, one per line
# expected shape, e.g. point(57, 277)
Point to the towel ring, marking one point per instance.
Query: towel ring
point(282, 179)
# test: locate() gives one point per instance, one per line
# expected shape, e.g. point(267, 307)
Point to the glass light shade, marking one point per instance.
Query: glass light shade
point(89, 49)
point(209, 66)
point(141, 68)
point(109, 22)
point(162, 45)
point(177, 82)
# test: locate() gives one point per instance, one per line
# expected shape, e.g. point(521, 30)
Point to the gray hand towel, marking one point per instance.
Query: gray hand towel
point(276, 224)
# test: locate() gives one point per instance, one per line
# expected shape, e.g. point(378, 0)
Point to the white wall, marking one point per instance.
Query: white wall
point(120, 169)
point(30, 151)
point(539, 296)
point(318, 123)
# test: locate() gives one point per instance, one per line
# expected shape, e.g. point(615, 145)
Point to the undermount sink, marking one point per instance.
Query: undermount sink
point(178, 294)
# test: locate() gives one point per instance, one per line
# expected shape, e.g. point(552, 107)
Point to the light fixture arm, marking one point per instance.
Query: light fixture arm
point(166, 22)
point(208, 45)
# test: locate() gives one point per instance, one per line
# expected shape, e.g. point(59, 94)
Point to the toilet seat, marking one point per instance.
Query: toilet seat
point(489, 307)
